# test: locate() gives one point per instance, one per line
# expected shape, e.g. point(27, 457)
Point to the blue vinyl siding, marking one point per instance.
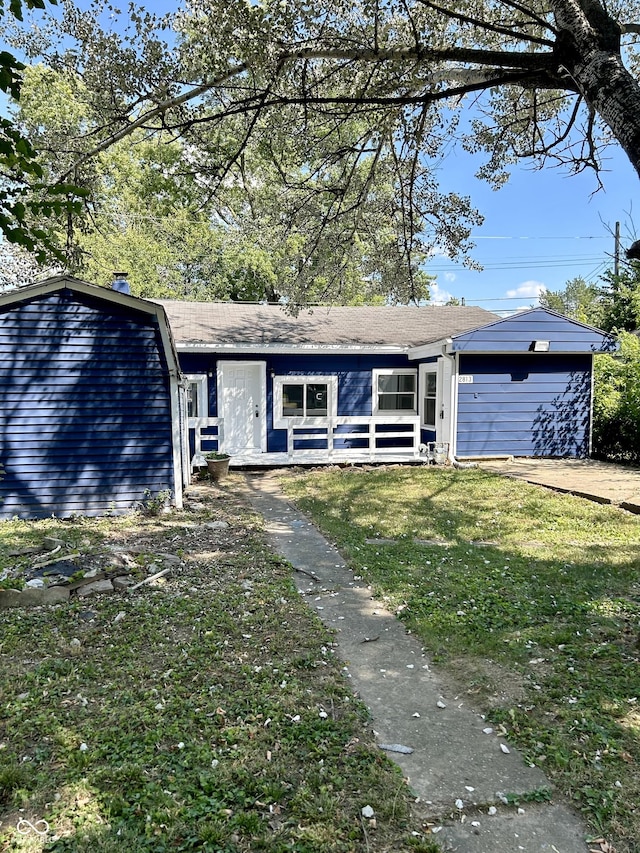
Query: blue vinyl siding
point(85, 416)
point(516, 334)
point(524, 405)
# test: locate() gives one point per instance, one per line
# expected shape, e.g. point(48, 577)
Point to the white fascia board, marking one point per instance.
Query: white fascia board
point(286, 349)
point(429, 350)
point(446, 346)
point(509, 352)
point(70, 283)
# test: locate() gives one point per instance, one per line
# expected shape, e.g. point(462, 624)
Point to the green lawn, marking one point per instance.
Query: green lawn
point(531, 599)
point(205, 713)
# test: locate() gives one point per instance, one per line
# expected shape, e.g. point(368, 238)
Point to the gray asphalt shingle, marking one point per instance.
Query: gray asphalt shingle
point(229, 323)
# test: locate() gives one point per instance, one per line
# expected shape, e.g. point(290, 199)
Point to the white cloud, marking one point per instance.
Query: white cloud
point(438, 295)
point(527, 290)
point(450, 276)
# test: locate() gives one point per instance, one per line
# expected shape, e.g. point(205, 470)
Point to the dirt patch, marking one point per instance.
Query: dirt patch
point(486, 683)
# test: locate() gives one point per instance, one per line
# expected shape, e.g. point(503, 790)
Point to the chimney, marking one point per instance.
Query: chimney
point(120, 282)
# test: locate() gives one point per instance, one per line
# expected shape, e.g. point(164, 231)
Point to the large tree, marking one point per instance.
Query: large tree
point(350, 106)
point(152, 213)
point(579, 300)
point(27, 201)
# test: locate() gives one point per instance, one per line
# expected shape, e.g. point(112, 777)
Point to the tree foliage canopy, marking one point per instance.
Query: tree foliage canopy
point(332, 121)
point(614, 305)
point(27, 200)
point(579, 300)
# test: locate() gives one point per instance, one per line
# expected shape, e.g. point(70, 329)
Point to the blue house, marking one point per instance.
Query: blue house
point(381, 383)
point(89, 402)
point(106, 399)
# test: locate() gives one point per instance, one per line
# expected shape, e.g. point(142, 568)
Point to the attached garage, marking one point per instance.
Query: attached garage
point(522, 386)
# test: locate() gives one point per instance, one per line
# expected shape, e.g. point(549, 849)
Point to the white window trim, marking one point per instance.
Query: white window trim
point(331, 382)
point(393, 371)
point(201, 395)
point(423, 393)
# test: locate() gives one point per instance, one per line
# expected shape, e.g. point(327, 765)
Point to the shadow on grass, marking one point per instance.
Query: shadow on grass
point(486, 569)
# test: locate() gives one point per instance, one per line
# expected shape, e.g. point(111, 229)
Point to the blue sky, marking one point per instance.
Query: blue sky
point(543, 228)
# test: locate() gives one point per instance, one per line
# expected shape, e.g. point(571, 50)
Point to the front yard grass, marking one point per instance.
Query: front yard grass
point(204, 713)
point(530, 599)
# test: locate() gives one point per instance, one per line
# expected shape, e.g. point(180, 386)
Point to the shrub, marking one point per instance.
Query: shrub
point(616, 407)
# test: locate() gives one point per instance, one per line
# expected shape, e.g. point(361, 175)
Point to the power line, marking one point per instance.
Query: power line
point(524, 263)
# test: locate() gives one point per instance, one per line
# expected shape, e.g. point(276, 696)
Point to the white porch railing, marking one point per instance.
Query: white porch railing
point(344, 436)
point(327, 439)
point(200, 438)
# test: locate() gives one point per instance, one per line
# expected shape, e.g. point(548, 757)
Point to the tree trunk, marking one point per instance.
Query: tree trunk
point(589, 52)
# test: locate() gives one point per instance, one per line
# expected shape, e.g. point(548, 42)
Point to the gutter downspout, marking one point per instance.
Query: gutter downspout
point(453, 396)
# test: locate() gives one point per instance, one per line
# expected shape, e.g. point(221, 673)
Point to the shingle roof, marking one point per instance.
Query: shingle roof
point(237, 324)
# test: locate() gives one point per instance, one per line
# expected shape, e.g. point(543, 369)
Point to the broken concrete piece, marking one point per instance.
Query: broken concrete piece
point(24, 552)
point(95, 587)
point(32, 597)
point(122, 582)
point(396, 747)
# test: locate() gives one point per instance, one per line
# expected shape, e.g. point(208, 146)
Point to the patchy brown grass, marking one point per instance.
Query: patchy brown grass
point(202, 712)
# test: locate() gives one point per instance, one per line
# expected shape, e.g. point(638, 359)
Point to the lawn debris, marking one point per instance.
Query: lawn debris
point(396, 747)
point(150, 579)
point(603, 846)
point(311, 575)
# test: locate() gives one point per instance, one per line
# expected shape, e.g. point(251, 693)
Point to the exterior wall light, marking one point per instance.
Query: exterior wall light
point(539, 346)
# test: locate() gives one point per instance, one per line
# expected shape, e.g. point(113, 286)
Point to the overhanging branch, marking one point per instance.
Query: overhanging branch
point(523, 68)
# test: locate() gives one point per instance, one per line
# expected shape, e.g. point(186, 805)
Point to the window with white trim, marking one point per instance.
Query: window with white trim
point(197, 395)
point(429, 399)
point(297, 397)
point(395, 391)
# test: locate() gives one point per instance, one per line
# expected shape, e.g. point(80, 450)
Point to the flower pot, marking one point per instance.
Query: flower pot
point(218, 468)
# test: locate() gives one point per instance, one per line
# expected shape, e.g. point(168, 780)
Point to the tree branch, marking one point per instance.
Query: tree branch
point(485, 25)
point(536, 19)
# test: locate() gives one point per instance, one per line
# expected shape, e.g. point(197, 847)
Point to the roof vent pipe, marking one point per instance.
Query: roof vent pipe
point(120, 282)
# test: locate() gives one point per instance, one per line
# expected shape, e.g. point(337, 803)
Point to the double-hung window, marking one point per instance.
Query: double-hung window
point(296, 397)
point(429, 399)
point(395, 391)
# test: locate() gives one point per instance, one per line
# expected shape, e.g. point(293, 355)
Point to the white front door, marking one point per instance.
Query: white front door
point(242, 403)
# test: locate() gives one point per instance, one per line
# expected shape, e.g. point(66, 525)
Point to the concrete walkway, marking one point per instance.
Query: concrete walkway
point(454, 765)
point(603, 482)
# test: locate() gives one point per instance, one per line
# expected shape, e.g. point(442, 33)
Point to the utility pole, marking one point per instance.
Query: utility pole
point(616, 255)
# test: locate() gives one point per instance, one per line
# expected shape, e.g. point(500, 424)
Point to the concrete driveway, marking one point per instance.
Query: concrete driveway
point(603, 482)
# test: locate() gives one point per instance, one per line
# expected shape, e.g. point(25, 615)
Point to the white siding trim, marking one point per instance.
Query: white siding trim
point(176, 437)
point(453, 385)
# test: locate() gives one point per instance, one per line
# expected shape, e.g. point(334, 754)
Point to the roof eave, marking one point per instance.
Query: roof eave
point(442, 345)
point(290, 349)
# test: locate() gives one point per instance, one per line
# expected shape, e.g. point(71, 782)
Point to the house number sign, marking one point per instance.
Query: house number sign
point(465, 379)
